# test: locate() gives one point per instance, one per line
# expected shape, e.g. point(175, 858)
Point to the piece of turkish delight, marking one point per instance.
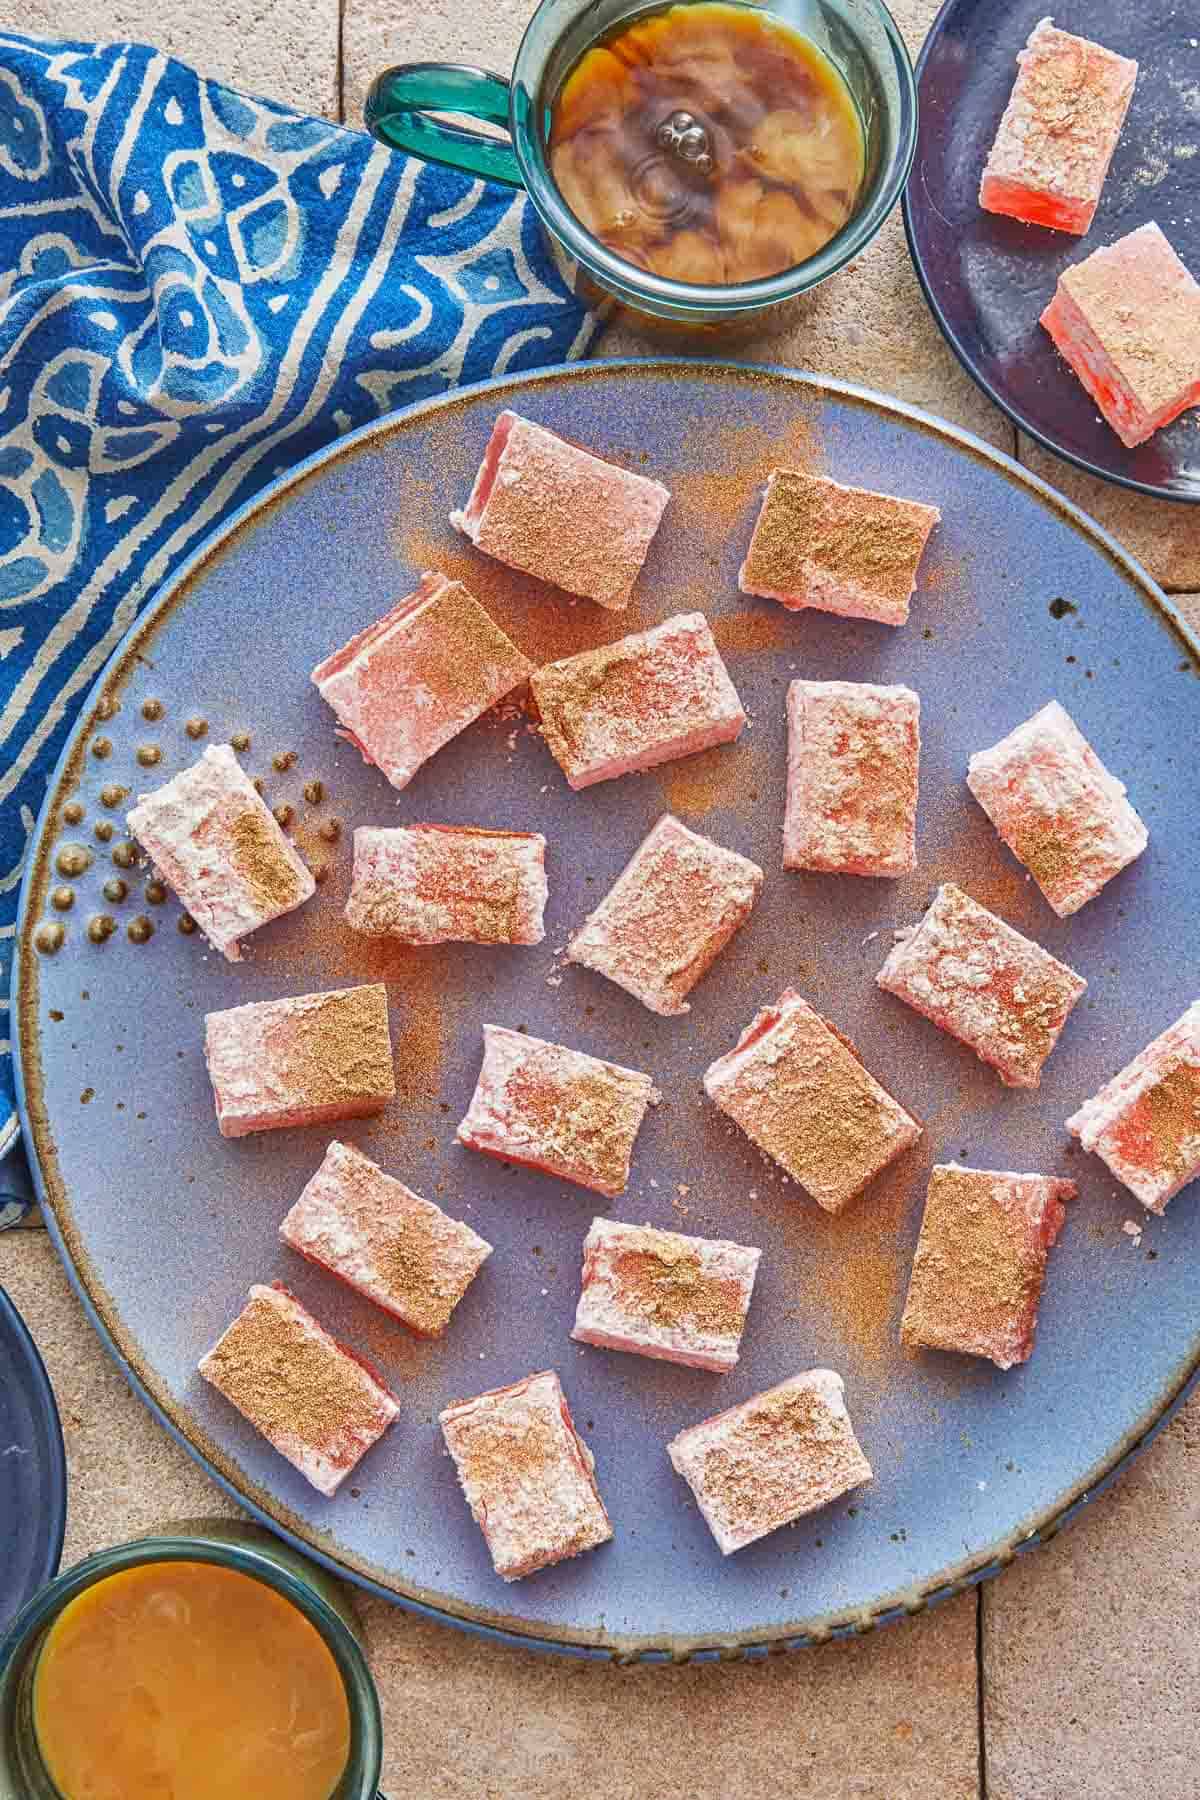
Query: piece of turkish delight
point(660, 1294)
point(317, 1403)
point(214, 839)
point(1145, 1122)
point(302, 1061)
point(668, 916)
point(546, 507)
point(797, 1088)
point(980, 1261)
point(982, 981)
point(527, 1475)
point(648, 698)
point(412, 681)
point(1057, 807)
point(439, 884)
point(379, 1237)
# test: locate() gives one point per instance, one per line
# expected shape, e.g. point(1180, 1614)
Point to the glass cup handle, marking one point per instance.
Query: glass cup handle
point(401, 99)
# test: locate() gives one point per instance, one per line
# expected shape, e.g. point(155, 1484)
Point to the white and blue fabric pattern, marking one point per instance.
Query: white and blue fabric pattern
point(197, 289)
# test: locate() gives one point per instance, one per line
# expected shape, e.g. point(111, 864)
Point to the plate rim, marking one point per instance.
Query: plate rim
point(596, 1645)
point(52, 1520)
point(1153, 490)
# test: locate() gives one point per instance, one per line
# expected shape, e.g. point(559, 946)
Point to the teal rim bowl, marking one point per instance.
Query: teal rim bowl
point(229, 1545)
point(859, 37)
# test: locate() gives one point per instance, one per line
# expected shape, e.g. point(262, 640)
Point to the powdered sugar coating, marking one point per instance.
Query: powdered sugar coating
point(263, 1364)
point(798, 1090)
point(649, 698)
point(555, 1109)
point(668, 915)
point(302, 1061)
point(380, 1238)
point(767, 1462)
point(214, 839)
point(984, 983)
point(847, 550)
point(1145, 1122)
point(1059, 130)
point(1057, 807)
point(527, 1475)
point(438, 884)
point(544, 506)
point(412, 681)
point(852, 777)
point(661, 1294)
point(1127, 320)
point(980, 1261)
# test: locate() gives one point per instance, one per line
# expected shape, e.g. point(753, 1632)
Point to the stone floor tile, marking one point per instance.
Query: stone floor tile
point(1164, 535)
point(889, 1717)
point(285, 49)
point(1090, 1651)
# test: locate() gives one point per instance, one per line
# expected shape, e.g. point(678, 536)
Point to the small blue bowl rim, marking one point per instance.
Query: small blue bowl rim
point(51, 1523)
point(998, 1557)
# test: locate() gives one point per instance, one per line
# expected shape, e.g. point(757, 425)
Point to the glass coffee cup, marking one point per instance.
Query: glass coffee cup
point(225, 1545)
point(687, 151)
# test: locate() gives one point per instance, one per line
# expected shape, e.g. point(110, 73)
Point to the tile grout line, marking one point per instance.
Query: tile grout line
point(980, 1700)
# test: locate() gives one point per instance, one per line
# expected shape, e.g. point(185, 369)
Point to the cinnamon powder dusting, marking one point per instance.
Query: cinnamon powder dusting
point(288, 1381)
point(735, 463)
point(665, 1281)
point(1160, 1129)
point(339, 1049)
point(256, 856)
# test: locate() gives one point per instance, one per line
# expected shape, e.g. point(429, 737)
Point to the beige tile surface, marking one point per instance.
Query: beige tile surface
point(893, 1715)
point(1091, 1652)
point(285, 49)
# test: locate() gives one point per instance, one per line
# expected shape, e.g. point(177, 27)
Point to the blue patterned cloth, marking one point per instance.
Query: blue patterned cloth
point(197, 289)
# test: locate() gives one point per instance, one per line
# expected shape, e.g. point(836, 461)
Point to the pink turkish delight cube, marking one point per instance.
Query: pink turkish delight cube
point(1059, 131)
point(837, 549)
point(1145, 1122)
point(316, 1402)
point(379, 1237)
point(648, 698)
point(412, 681)
point(798, 1090)
point(1057, 807)
point(976, 977)
point(302, 1061)
point(765, 1463)
point(214, 839)
point(660, 1294)
point(668, 916)
point(559, 1110)
point(528, 1476)
point(853, 753)
point(980, 1261)
point(1127, 320)
point(546, 507)
point(440, 884)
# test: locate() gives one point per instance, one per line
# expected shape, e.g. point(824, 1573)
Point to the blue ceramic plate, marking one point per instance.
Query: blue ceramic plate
point(987, 278)
point(165, 1223)
point(33, 1470)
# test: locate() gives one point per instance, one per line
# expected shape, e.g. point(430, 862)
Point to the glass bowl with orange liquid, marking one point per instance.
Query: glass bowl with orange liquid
point(699, 160)
point(213, 1665)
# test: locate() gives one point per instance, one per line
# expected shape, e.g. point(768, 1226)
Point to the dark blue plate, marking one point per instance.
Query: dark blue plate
point(987, 278)
point(164, 1223)
point(33, 1468)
